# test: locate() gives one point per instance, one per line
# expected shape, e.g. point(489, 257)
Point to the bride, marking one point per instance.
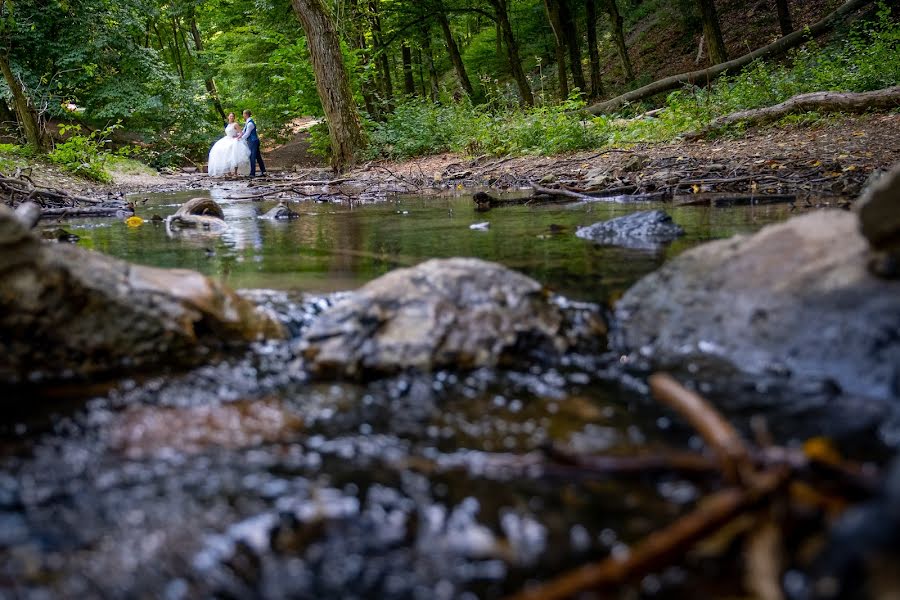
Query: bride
point(229, 155)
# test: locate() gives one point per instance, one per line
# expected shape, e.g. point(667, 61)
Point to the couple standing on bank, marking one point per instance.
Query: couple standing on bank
point(238, 152)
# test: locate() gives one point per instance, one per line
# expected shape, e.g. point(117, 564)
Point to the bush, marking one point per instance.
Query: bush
point(84, 155)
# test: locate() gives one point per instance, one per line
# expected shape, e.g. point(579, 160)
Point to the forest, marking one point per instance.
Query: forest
point(450, 299)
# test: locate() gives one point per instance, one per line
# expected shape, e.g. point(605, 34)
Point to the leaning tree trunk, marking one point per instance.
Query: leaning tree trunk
point(455, 56)
point(381, 57)
point(28, 119)
point(409, 85)
point(512, 52)
point(617, 24)
point(784, 17)
point(593, 52)
point(332, 82)
point(712, 32)
point(573, 44)
point(553, 15)
point(210, 83)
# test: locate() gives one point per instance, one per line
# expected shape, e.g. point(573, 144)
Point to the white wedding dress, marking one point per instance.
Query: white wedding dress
point(228, 153)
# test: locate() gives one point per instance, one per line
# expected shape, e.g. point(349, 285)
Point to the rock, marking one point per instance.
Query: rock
point(794, 301)
point(29, 213)
point(197, 213)
point(59, 235)
point(879, 222)
point(453, 313)
point(280, 213)
point(636, 162)
point(69, 313)
point(640, 230)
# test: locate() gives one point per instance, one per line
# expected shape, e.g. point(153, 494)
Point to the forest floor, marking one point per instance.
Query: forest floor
point(834, 157)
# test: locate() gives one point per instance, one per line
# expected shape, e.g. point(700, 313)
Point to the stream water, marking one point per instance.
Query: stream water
point(245, 480)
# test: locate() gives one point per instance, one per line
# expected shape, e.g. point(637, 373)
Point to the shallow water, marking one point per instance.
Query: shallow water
point(243, 479)
point(333, 247)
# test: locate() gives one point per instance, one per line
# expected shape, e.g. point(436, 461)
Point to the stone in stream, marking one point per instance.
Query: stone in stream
point(795, 302)
point(70, 313)
point(202, 214)
point(879, 222)
point(640, 230)
point(280, 213)
point(453, 313)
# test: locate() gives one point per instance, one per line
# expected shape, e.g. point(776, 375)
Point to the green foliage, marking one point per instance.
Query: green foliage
point(867, 58)
point(84, 155)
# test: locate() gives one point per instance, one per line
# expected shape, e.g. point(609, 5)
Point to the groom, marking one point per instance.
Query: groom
point(249, 134)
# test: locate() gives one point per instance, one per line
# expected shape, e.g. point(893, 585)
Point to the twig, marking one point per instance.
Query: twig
point(718, 433)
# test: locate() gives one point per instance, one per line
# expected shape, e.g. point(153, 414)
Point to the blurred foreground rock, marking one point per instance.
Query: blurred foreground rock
point(879, 222)
point(454, 313)
point(795, 301)
point(69, 313)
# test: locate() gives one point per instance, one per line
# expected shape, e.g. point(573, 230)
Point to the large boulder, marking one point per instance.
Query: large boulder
point(879, 222)
point(644, 230)
point(454, 313)
point(69, 313)
point(197, 214)
point(795, 300)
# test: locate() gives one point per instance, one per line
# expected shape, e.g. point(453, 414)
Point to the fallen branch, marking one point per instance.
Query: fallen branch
point(847, 102)
point(718, 433)
point(660, 548)
point(776, 48)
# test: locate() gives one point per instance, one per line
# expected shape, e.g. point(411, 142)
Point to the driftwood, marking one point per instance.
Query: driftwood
point(848, 102)
point(704, 76)
point(88, 211)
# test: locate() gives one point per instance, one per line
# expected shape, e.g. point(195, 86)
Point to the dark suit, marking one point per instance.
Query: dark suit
point(255, 156)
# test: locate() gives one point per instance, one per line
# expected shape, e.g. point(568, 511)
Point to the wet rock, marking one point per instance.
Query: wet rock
point(879, 222)
point(280, 213)
point(636, 162)
point(202, 214)
point(60, 235)
point(69, 313)
point(640, 230)
point(454, 313)
point(794, 301)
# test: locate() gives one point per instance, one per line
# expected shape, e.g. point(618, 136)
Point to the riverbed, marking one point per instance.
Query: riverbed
point(244, 479)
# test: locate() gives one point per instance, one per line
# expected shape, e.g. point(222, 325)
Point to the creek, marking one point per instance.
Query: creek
point(243, 479)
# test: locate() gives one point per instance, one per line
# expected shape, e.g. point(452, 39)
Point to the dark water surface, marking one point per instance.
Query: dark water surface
point(245, 480)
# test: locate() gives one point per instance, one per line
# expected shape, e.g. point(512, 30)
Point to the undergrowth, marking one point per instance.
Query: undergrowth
point(866, 58)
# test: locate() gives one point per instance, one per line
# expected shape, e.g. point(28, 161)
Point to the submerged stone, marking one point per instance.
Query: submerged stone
point(794, 300)
point(639, 230)
point(454, 313)
point(202, 214)
point(70, 313)
point(279, 213)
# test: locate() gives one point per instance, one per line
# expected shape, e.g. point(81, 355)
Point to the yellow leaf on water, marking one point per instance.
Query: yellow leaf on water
point(696, 188)
point(850, 168)
point(134, 221)
point(459, 186)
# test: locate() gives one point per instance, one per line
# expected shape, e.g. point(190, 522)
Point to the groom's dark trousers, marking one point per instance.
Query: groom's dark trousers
point(256, 156)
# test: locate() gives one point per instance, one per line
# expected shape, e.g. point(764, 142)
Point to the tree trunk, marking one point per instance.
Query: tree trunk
point(573, 44)
point(617, 23)
point(381, 57)
point(712, 33)
point(512, 53)
point(552, 7)
point(784, 17)
point(332, 82)
point(358, 41)
point(28, 119)
point(420, 70)
point(593, 52)
point(778, 47)
point(210, 83)
point(409, 85)
point(429, 57)
point(455, 56)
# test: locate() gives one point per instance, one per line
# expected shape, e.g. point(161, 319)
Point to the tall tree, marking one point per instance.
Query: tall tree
point(455, 56)
point(25, 113)
point(332, 82)
point(209, 82)
point(381, 53)
point(573, 44)
point(556, 23)
point(712, 31)
point(409, 85)
point(593, 52)
point(617, 23)
point(512, 52)
point(429, 58)
point(784, 17)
